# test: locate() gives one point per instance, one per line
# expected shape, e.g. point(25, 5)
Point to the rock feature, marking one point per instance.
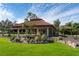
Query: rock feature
point(38, 39)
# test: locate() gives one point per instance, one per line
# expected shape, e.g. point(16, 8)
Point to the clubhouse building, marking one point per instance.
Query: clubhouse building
point(33, 26)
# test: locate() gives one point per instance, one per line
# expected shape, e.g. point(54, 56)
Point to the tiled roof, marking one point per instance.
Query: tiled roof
point(17, 25)
point(38, 22)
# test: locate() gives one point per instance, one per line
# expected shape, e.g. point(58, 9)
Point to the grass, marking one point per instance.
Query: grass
point(17, 49)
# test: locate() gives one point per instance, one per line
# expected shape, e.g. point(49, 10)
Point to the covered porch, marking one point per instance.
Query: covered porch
point(49, 31)
point(42, 30)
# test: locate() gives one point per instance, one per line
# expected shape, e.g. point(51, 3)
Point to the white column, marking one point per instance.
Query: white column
point(26, 31)
point(17, 33)
point(37, 30)
point(47, 31)
point(52, 31)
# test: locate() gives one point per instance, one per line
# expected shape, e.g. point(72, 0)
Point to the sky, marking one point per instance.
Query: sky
point(49, 12)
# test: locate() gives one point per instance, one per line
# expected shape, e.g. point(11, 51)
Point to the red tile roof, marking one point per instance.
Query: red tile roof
point(35, 23)
point(39, 23)
point(17, 25)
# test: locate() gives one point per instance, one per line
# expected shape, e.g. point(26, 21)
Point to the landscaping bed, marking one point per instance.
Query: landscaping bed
point(31, 39)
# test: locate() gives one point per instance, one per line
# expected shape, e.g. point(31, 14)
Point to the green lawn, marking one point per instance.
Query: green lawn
point(54, 49)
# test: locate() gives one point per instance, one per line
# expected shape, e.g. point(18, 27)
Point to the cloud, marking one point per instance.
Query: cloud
point(19, 20)
point(4, 13)
point(49, 12)
point(57, 13)
point(53, 11)
point(57, 8)
point(67, 13)
point(35, 8)
point(39, 8)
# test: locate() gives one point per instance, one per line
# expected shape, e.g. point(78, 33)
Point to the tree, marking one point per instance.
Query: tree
point(2, 27)
point(62, 30)
point(31, 16)
point(24, 25)
point(72, 29)
point(27, 23)
point(57, 24)
point(5, 26)
point(69, 26)
point(8, 26)
point(76, 29)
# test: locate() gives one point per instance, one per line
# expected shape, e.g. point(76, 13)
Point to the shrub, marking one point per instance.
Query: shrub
point(60, 38)
point(38, 36)
point(12, 38)
point(44, 37)
point(57, 39)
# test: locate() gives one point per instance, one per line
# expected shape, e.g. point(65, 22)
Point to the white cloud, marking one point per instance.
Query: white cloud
point(66, 14)
point(55, 12)
point(51, 15)
point(35, 8)
point(56, 9)
point(19, 20)
point(4, 13)
point(75, 16)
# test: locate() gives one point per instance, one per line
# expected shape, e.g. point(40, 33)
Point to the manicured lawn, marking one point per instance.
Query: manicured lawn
point(54, 49)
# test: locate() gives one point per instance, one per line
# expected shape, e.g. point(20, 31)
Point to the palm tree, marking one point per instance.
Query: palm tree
point(8, 26)
point(31, 16)
point(2, 27)
point(62, 30)
point(26, 20)
point(76, 28)
point(24, 25)
point(27, 23)
point(5, 26)
point(69, 25)
point(57, 24)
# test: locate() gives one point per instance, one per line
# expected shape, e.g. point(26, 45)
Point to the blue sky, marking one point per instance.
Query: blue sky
point(48, 11)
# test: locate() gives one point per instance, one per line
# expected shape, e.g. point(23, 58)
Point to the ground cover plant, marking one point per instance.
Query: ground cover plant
point(8, 48)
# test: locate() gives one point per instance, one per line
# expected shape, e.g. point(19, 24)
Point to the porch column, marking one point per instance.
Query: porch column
point(52, 31)
point(26, 31)
point(47, 31)
point(17, 33)
point(37, 30)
